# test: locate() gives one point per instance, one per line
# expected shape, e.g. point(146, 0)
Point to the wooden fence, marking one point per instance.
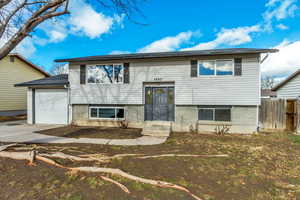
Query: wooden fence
point(272, 114)
point(280, 114)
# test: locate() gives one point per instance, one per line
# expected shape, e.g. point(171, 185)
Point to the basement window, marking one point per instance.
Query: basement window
point(115, 113)
point(214, 113)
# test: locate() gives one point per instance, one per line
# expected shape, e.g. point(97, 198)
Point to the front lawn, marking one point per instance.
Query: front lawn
point(259, 167)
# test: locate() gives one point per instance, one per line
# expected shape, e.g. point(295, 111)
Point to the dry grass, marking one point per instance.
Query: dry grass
point(259, 167)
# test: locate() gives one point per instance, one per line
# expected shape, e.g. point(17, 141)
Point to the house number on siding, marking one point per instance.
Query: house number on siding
point(157, 79)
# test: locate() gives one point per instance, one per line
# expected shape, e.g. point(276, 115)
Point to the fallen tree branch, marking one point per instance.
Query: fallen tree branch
point(118, 172)
point(3, 147)
point(105, 157)
point(185, 155)
point(70, 157)
point(123, 187)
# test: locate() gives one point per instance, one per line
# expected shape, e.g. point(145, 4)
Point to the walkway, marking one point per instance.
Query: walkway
point(23, 133)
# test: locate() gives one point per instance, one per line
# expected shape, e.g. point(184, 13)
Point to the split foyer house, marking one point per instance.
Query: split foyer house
point(14, 68)
point(188, 89)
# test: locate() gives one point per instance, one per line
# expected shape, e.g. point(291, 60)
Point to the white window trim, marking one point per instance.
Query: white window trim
point(114, 83)
point(215, 68)
point(214, 115)
point(101, 107)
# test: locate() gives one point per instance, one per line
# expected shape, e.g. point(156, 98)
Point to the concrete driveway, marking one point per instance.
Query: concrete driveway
point(20, 132)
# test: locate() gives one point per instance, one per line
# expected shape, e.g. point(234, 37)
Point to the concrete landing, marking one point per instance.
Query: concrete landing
point(24, 133)
point(157, 129)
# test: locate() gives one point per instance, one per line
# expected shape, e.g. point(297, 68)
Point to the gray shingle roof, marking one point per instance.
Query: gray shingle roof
point(61, 79)
point(228, 51)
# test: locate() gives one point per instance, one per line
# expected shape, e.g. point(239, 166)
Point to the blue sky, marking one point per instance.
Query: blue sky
point(173, 25)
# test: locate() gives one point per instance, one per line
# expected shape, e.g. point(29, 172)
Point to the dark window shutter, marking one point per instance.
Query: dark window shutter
point(238, 66)
point(194, 67)
point(126, 73)
point(82, 74)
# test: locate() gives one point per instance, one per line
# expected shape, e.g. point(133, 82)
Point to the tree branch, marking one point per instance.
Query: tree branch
point(37, 18)
point(4, 3)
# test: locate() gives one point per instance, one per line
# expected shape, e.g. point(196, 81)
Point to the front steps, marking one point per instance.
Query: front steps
point(157, 128)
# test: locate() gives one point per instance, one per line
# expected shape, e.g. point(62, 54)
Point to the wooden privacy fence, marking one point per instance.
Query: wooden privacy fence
point(280, 114)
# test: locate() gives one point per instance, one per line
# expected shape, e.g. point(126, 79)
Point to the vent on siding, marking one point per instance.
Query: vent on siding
point(12, 58)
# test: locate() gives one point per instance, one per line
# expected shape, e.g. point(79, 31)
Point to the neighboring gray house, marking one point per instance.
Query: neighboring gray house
point(188, 89)
point(290, 87)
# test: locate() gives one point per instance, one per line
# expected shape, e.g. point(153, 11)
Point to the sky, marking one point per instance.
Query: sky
point(172, 25)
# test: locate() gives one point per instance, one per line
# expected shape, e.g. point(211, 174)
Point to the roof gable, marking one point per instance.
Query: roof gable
point(30, 64)
point(288, 79)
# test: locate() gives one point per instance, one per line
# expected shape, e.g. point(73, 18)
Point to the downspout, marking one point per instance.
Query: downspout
point(259, 79)
point(69, 102)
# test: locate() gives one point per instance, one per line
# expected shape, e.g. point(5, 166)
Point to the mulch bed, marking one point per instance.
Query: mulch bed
point(12, 118)
point(94, 132)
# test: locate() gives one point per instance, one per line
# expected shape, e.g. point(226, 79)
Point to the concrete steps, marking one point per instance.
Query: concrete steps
point(157, 128)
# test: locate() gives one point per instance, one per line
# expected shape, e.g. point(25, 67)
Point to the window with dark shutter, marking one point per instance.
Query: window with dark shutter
point(126, 73)
point(82, 74)
point(238, 66)
point(194, 70)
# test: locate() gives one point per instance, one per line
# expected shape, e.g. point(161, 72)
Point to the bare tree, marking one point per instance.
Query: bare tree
point(59, 68)
point(267, 82)
point(19, 18)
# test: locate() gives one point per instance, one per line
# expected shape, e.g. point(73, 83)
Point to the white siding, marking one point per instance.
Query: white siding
point(218, 90)
point(291, 89)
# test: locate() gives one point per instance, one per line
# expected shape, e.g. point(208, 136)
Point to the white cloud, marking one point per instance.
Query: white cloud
point(169, 43)
point(285, 62)
point(26, 48)
point(282, 27)
point(84, 19)
point(278, 10)
point(231, 37)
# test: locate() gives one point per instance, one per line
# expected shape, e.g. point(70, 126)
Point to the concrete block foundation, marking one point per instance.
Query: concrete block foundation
point(243, 119)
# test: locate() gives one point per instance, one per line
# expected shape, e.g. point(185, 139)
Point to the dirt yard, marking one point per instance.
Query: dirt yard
point(259, 167)
point(94, 132)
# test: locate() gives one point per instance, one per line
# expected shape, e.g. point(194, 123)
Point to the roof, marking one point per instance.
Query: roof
point(285, 81)
point(61, 79)
point(228, 51)
point(268, 93)
point(30, 63)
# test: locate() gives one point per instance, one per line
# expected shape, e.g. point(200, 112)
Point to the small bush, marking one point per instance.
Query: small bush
point(222, 129)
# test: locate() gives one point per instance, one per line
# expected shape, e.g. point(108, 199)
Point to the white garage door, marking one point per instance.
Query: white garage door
point(51, 106)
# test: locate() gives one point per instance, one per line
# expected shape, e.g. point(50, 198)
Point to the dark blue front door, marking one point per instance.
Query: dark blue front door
point(159, 104)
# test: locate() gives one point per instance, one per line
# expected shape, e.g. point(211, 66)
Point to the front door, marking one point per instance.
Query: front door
point(159, 104)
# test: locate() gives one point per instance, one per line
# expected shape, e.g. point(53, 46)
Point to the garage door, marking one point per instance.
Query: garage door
point(51, 106)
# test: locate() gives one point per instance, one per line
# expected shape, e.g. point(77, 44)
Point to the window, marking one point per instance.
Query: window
point(215, 113)
point(215, 67)
point(207, 68)
point(224, 67)
point(107, 113)
point(105, 74)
